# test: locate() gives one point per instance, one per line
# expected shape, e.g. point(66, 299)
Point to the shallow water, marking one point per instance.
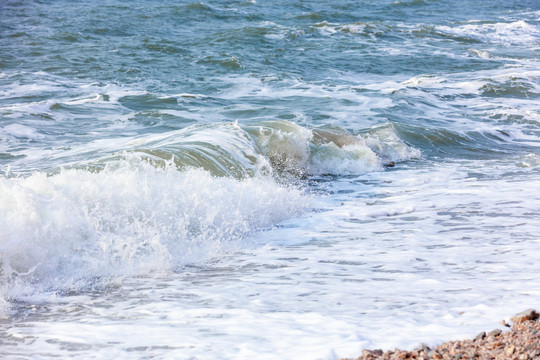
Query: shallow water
point(207, 180)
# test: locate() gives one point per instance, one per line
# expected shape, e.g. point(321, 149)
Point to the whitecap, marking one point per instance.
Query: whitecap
point(518, 32)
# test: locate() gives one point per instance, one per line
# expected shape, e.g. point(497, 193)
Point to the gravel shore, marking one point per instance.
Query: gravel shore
point(522, 342)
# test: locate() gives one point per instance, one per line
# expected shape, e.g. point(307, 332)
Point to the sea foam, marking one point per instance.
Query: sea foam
point(64, 230)
point(518, 32)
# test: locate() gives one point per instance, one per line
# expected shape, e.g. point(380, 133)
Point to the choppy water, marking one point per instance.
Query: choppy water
point(206, 180)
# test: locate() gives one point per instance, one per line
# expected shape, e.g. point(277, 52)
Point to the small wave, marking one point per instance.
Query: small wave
point(482, 142)
point(480, 53)
point(517, 32)
point(529, 161)
point(277, 148)
point(327, 149)
point(412, 3)
point(202, 11)
point(367, 29)
point(22, 131)
point(386, 143)
point(231, 62)
point(199, 6)
point(513, 86)
point(223, 149)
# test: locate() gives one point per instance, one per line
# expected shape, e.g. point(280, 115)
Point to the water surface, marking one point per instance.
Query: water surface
point(207, 180)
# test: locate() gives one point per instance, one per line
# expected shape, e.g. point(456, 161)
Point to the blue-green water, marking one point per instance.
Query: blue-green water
point(207, 179)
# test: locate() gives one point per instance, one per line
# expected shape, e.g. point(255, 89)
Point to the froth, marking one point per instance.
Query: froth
point(22, 131)
point(65, 230)
point(529, 161)
point(348, 160)
point(388, 146)
point(517, 32)
point(329, 150)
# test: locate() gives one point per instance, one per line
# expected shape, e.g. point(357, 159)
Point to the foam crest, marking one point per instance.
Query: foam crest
point(347, 160)
point(529, 161)
point(336, 151)
point(286, 144)
point(22, 131)
point(66, 230)
point(518, 32)
point(385, 142)
point(329, 149)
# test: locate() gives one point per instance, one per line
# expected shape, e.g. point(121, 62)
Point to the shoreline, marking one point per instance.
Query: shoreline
point(521, 342)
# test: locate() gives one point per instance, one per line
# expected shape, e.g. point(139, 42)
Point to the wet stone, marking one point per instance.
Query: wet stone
point(372, 353)
point(480, 336)
point(510, 350)
point(529, 314)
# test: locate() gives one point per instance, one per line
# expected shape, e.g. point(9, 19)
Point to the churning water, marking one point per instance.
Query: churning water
point(207, 180)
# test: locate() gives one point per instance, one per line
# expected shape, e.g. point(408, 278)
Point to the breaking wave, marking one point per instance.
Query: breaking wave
point(167, 200)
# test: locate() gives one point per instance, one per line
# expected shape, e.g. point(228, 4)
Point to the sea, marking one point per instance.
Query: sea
point(268, 179)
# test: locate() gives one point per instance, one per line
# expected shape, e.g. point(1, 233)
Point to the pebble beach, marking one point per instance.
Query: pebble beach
point(521, 342)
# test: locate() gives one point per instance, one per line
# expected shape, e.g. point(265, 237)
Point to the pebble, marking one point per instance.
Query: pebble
point(510, 350)
point(529, 314)
point(480, 336)
point(495, 332)
point(371, 354)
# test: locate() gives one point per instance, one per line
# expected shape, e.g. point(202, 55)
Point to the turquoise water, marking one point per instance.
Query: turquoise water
point(210, 179)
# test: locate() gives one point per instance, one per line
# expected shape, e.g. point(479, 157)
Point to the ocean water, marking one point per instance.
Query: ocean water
point(208, 180)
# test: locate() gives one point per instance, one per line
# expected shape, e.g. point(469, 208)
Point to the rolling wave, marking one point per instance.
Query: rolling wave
point(161, 201)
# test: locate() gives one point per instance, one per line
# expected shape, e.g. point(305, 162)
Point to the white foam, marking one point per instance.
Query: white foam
point(480, 53)
point(357, 28)
point(385, 142)
point(326, 29)
point(416, 255)
point(20, 130)
point(190, 96)
point(58, 231)
point(38, 107)
point(294, 148)
point(494, 101)
point(351, 159)
point(518, 32)
point(425, 81)
point(4, 308)
point(246, 86)
point(529, 161)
